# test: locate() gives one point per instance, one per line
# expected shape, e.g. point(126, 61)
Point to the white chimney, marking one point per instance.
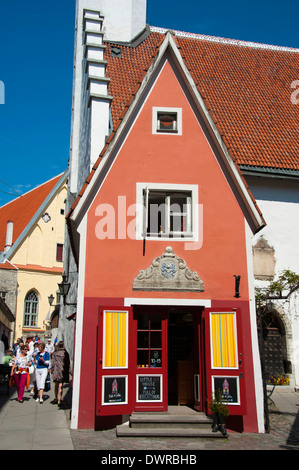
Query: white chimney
point(96, 21)
point(9, 234)
point(124, 19)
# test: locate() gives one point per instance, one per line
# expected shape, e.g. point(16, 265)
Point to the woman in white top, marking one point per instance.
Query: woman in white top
point(20, 372)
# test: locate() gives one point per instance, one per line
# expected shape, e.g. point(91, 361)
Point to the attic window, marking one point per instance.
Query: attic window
point(167, 121)
point(116, 52)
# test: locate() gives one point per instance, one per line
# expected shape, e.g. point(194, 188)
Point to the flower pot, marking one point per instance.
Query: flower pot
point(218, 424)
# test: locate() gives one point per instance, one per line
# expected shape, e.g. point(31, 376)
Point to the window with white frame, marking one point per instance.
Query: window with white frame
point(167, 120)
point(167, 211)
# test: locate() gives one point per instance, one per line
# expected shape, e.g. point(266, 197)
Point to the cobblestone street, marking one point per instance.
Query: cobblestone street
point(31, 426)
point(284, 435)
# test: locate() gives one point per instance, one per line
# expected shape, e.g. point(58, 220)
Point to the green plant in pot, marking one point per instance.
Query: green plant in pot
point(220, 412)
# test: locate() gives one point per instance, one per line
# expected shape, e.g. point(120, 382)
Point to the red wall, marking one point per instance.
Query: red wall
point(188, 159)
point(112, 264)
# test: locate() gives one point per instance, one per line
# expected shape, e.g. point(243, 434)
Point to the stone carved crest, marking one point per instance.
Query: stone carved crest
point(168, 273)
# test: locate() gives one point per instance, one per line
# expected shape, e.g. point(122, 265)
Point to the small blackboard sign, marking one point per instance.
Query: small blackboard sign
point(149, 388)
point(115, 390)
point(229, 389)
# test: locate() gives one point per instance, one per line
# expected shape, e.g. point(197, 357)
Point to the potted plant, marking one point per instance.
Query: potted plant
point(220, 412)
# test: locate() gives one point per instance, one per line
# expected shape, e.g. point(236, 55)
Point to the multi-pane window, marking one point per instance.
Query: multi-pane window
point(149, 340)
point(169, 211)
point(168, 214)
point(3, 295)
point(31, 309)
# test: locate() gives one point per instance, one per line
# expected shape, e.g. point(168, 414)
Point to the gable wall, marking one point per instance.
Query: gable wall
point(186, 159)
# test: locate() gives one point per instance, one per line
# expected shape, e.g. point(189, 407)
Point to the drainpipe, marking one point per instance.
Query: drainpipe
point(9, 234)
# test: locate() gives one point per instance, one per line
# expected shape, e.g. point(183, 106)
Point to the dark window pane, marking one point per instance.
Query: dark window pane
point(142, 358)
point(156, 339)
point(142, 339)
point(156, 323)
point(142, 322)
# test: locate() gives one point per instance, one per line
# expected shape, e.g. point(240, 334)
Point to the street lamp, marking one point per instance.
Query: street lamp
point(64, 288)
point(51, 299)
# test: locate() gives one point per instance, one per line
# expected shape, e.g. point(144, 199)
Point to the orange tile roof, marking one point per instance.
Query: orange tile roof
point(246, 87)
point(21, 210)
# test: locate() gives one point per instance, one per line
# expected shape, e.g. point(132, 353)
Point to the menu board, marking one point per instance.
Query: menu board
point(229, 389)
point(149, 388)
point(114, 390)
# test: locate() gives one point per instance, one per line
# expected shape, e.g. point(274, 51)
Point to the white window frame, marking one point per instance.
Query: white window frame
point(238, 403)
point(235, 340)
point(155, 124)
point(142, 211)
point(103, 390)
point(137, 388)
point(104, 366)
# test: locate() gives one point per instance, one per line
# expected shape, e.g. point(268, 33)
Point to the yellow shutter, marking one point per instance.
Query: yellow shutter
point(223, 340)
point(115, 339)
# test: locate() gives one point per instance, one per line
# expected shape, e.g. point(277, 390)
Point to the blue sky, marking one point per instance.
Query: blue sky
point(36, 63)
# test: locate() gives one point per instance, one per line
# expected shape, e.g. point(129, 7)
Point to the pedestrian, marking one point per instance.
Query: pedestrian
point(2, 351)
point(31, 344)
point(60, 368)
point(42, 364)
point(20, 373)
point(16, 346)
point(7, 360)
point(31, 371)
point(50, 347)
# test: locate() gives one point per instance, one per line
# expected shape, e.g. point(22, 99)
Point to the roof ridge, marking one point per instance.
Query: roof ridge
point(218, 39)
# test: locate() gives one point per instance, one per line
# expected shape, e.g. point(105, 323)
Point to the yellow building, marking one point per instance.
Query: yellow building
point(31, 239)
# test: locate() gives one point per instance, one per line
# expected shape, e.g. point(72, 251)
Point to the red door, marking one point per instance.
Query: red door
point(132, 360)
point(150, 359)
point(225, 358)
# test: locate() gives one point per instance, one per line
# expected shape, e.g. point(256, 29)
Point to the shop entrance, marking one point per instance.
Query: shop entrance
point(183, 357)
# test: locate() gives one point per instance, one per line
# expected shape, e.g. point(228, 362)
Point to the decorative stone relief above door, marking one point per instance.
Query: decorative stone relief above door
point(168, 272)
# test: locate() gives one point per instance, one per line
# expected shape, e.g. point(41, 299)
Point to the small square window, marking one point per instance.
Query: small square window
point(167, 121)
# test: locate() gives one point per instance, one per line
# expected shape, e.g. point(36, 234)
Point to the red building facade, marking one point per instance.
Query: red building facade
point(162, 235)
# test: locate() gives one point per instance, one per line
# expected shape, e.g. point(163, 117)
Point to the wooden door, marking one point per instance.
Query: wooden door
point(150, 359)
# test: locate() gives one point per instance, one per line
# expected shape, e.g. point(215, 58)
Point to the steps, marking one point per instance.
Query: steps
point(178, 421)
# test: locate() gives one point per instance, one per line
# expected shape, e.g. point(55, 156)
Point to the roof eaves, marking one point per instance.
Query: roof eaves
point(269, 172)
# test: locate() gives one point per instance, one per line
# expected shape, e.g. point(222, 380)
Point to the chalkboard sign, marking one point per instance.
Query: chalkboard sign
point(229, 389)
point(149, 388)
point(114, 390)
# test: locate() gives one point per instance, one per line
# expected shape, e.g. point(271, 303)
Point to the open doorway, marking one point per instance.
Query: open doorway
point(181, 357)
